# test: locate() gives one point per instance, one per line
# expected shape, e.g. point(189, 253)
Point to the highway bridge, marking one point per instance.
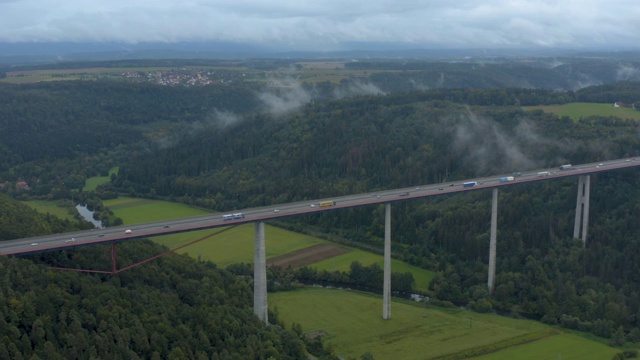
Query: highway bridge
point(107, 235)
point(259, 215)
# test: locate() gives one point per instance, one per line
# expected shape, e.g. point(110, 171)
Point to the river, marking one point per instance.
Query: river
point(88, 215)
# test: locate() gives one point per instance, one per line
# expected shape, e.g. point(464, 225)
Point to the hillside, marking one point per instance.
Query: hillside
point(172, 308)
point(368, 143)
point(166, 147)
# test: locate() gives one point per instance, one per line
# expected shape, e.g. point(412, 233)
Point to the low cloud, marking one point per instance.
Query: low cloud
point(627, 72)
point(357, 87)
point(489, 147)
point(284, 96)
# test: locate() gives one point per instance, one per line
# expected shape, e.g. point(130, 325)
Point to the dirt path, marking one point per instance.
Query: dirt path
point(307, 256)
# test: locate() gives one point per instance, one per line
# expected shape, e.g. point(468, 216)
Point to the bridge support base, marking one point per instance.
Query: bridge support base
point(491, 282)
point(386, 289)
point(260, 307)
point(582, 209)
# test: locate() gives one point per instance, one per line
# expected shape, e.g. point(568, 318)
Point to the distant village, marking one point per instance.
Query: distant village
point(181, 77)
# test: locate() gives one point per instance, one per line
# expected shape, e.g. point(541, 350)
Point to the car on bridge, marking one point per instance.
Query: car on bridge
point(128, 232)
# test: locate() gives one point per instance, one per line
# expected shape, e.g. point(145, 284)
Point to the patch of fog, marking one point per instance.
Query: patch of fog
point(553, 63)
point(224, 118)
point(357, 87)
point(584, 82)
point(289, 96)
point(419, 85)
point(627, 72)
point(216, 119)
point(484, 140)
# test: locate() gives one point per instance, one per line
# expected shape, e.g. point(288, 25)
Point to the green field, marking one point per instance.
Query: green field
point(576, 111)
point(561, 346)
point(33, 76)
point(94, 181)
point(236, 245)
point(136, 211)
point(352, 323)
point(343, 263)
point(50, 207)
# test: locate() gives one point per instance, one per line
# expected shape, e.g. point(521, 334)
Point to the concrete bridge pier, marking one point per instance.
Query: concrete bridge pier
point(582, 208)
point(386, 289)
point(260, 306)
point(491, 282)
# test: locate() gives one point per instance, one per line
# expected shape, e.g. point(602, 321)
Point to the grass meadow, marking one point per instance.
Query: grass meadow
point(576, 111)
point(93, 182)
point(51, 207)
point(343, 263)
point(236, 245)
point(352, 323)
point(136, 211)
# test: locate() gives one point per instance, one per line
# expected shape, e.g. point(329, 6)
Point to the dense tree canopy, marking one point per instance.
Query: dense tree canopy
point(174, 308)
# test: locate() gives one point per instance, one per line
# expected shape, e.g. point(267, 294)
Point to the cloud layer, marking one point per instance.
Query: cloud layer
point(329, 24)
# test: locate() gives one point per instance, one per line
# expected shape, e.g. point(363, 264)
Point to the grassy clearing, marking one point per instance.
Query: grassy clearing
point(50, 207)
point(134, 210)
point(562, 346)
point(233, 246)
point(94, 181)
point(237, 244)
point(576, 111)
point(343, 263)
point(354, 325)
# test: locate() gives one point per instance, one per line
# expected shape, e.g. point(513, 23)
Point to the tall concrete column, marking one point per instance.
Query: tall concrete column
point(492, 242)
point(585, 209)
point(386, 289)
point(578, 218)
point(260, 307)
point(582, 208)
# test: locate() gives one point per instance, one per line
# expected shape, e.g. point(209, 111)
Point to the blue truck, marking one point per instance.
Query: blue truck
point(233, 216)
point(470, 184)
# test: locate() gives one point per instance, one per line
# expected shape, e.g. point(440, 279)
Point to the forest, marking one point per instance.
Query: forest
point(217, 147)
point(174, 308)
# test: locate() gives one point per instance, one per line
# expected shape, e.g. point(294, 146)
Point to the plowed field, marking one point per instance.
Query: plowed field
point(307, 256)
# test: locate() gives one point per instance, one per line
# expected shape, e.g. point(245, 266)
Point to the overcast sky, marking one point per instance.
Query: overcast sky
point(329, 24)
